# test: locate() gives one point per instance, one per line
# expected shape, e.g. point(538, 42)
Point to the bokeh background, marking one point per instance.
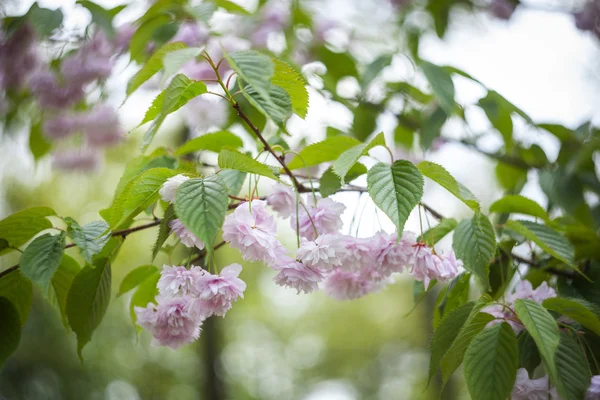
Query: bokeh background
point(275, 344)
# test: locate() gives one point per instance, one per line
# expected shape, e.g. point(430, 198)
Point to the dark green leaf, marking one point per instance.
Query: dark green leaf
point(255, 69)
point(437, 233)
point(519, 205)
point(276, 106)
point(529, 357)
point(41, 258)
point(431, 127)
point(474, 242)
point(373, 69)
point(163, 231)
point(331, 183)
point(135, 277)
point(327, 150)
point(61, 283)
point(214, 141)
point(10, 330)
point(19, 291)
point(38, 144)
point(442, 85)
point(90, 238)
point(100, 16)
point(571, 365)
point(365, 120)
point(438, 174)
point(43, 20)
point(548, 239)
point(21, 226)
point(576, 309)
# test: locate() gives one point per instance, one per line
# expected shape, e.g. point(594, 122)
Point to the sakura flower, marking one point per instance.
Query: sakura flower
point(324, 252)
point(91, 62)
point(102, 126)
point(81, 159)
point(282, 200)
point(324, 217)
point(531, 389)
point(192, 34)
point(169, 188)
point(524, 290)
point(216, 293)
point(187, 238)
point(178, 281)
point(169, 322)
point(593, 392)
point(202, 113)
point(252, 232)
point(347, 285)
point(296, 275)
point(428, 266)
point(61, 126)
point(393, 255)
point(360, 252)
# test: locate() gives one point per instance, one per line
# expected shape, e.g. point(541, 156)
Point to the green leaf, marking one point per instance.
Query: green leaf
point(10, 330)
point(445, 334)
point(327, 150)
point(454, 295)
point(234, 180)
point(529, 357)
point(154, 63)
point(572, 368)
point(140, 193)
point(561, 132)
point(61, 283)
point(253, 68)
point(135, 277)
point(396, 189)
point(431, 127)
point(174, 60)
point(38, 144)
point(347, 159)
point(491, 363)
point(201, 205)
point(163, 231)
point(177, 94)
point(442, 85)
point(543, 329)
point(338, 65)
point(499, 115)
point(43, 20)
point(548, 239)
point(474, 242)
point(438, 174)
point(241, 162)
point(88, 300)
point(437, 233)
point(144, 294)
point(100, 16)
point(519, 205)
point(3, 244)
point(215, 141)
point(90, 238)
point(373, 69)
point(330, 182)
point(41, 259)
point(276, 106)
point(21, 226)
point(231, 7)
point(290, 80)
point(365, 120)
point(576, 309)
point(510, 177)
point(19, 291)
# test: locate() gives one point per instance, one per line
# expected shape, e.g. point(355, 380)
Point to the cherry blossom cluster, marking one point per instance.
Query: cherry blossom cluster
point(588, 19)
point(186, 298)
point(528, 389)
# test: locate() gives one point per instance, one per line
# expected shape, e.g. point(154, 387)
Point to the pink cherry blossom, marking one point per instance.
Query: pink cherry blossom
point(593, 392)
point(169, 188)
point(76, 159)
point(192, 34)
point(169, 322)
point(531, 389)
point(93, 61)
point(102, 126)
point(296, 275)
point(216, 293)
point(392, 255)
point(282, 200)
point(361, 252)
point(178, 281)
point(427, 266)
point(187, 238)
point(51, 94)
point(61, 126)
point(324, 217)
point(524, 290)
point(347, 285)
point(325, 252)
point(253, 233)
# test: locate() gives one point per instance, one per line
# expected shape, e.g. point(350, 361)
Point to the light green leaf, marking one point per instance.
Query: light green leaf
point(518, 204)
point(10, 330)
point(21, 226)
point(41, 259)
point(499, 115)
point(214, 141)
point(491, 363)
point(327, 150)
point(543, 329)
point(19, 291)
point(231, 7)
point(276, 106)
point(135, 277)
point(174, 60)
point(38, 144)
point(438, 174)
point(290, 80)
point(396, 189)
point(90, 238)
point(61, 283)
point(577, 309)
point(373, 69)
point(347, 159)
point(88, 300)
point(572, 368)
point(43, 20)
point(100, 16)
point(163, 231)
point(431, 127)
point(154, 63)
point(144, 294)
point(365, 120)
point(437, 233)
point(548, 239)
point(253, 68)
point(445, 334)
point(241, 162)
point(474, 242)
point(177, 94)
point(331, 183)
point(442, 85)
point(234, 180)
point(201, 205)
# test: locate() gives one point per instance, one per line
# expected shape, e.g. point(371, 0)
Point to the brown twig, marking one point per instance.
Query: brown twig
point(202, 253)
